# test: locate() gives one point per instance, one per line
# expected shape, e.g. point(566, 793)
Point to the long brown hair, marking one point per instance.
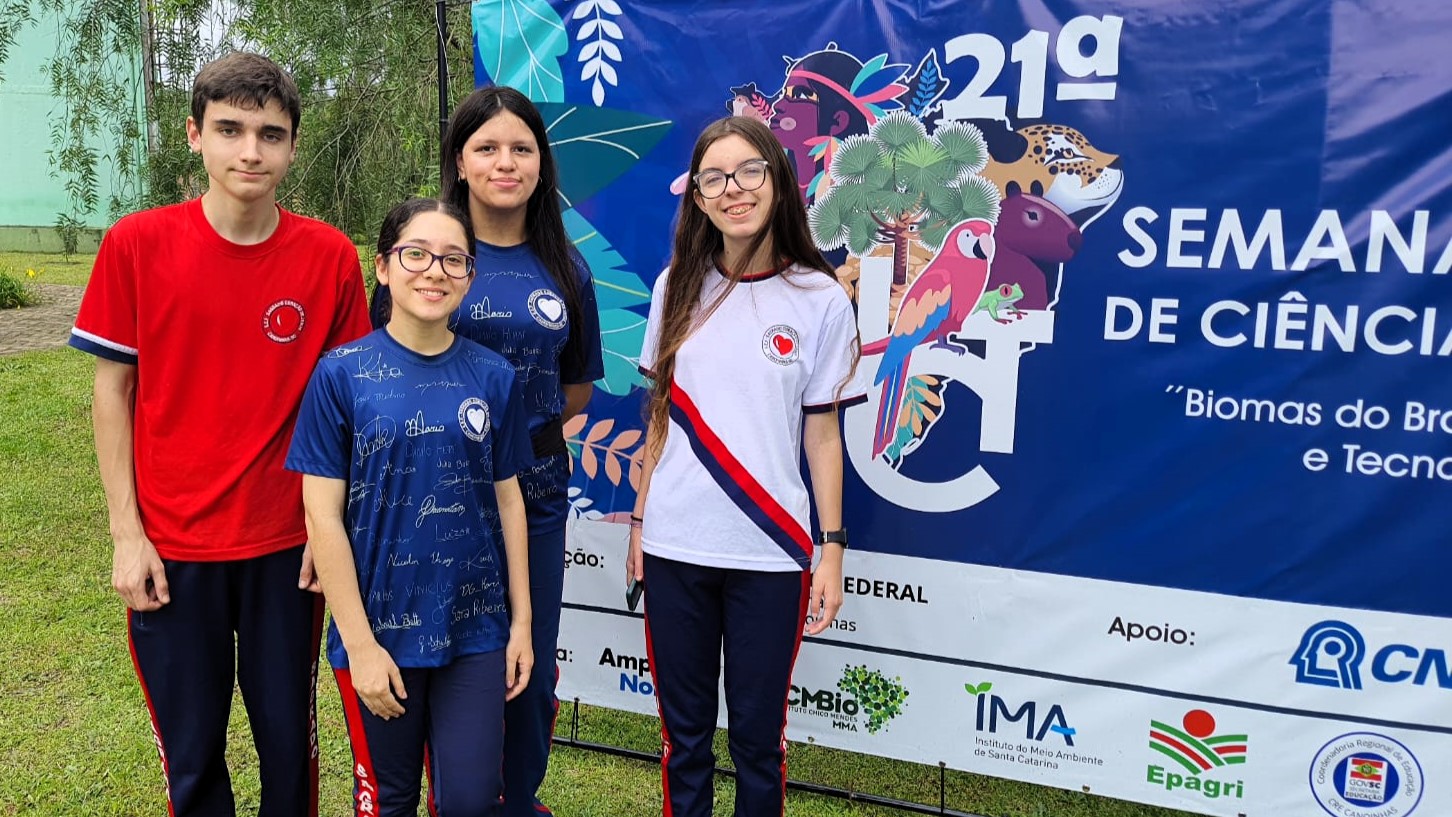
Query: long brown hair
point(698, 246)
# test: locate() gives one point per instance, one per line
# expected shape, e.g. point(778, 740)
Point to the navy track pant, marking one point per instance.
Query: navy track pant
point(529, 719)
point(246, 623)
point(695, 616)
point(453, 719)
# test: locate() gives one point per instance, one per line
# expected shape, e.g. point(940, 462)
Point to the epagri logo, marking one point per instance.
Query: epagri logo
point(1331, 653)
point(635, 677)
point(1202, 760)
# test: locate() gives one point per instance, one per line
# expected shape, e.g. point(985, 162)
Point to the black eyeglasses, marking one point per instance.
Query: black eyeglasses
point(418, 259)
point(749, 175)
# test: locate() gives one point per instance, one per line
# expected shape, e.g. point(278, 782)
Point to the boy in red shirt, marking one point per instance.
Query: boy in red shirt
point(206, 319)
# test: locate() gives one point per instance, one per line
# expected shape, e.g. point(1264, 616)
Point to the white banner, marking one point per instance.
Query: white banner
point(1183, 699)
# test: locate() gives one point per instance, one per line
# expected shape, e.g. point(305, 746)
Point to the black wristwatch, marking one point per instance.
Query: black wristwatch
point(838, 536)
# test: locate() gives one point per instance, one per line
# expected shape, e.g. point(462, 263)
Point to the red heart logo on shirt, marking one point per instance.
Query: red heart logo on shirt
point(782, 344)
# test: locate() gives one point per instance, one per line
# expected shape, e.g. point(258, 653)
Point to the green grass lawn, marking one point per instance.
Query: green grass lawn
point(74, 738)
point(48, 269)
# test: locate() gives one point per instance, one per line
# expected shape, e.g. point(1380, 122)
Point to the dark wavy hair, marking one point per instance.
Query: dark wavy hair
point(544, 228)
point(405, 211)
point(698, 246)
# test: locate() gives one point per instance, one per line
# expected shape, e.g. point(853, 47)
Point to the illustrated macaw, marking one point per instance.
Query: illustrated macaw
point(934, 306)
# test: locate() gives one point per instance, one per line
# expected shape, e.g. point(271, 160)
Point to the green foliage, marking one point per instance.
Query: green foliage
point(94, 76)
point(366, 70)
point(14, 17)
point(15, 293)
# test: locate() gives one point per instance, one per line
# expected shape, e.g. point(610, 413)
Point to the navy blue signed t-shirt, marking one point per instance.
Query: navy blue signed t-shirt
point(514, 308)
point(420, 441)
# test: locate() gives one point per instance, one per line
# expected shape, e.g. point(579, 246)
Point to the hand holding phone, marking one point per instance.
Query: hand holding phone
point(633, 592)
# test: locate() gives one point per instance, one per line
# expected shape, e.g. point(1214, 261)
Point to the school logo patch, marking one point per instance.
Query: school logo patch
point(474, 418)
point(283, 321)
point(781, 345)
point(547, 308)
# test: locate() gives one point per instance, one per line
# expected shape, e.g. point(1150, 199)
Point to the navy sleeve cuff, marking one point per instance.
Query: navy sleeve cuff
point(94, 346)
point(846, 402)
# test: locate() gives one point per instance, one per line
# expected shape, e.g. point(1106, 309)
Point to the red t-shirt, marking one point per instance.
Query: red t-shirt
point(224, 338)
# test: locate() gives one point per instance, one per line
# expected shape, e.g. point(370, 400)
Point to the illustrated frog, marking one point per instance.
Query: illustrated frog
point(1003, 297)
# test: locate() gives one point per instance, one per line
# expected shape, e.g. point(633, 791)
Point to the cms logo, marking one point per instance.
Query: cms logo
point(1333, 653)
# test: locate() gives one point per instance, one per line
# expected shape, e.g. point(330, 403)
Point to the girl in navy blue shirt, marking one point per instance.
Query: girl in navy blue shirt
point(410, 440)
point(533, 302)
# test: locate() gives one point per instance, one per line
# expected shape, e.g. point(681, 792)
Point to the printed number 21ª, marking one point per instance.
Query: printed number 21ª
point(1032, 52)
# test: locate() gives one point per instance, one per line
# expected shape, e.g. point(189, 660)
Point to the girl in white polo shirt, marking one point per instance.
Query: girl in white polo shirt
point(752, 345)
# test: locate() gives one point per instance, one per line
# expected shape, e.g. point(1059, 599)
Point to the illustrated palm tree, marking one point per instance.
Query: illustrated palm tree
point(896, 184)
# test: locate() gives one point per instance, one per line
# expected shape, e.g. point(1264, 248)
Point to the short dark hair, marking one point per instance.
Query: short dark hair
point(247, 81)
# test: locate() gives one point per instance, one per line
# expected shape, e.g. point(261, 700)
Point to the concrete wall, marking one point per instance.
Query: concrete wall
point(29, 197)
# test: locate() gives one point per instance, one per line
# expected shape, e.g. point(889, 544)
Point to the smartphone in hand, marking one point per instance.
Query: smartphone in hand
point(633, 592)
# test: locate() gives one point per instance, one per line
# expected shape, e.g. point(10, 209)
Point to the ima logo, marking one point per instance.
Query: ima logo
point(1038, 723)
point(781, 345)
point(283, 321)
point(1331, 654)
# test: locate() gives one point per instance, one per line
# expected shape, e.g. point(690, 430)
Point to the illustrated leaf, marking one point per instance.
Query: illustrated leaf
point(964, 145)
point(588, 29)
point(943, 201)
point(898, 130)
point(609, 7)
point(520, 44)
point(589, 462)
point(600, 429)
point(862, 233)
point(615, 286)
point(607, 73)
point(921, 154)
point(575, 425)
point(594, 47)
point(583, 9)
point(626, 439)
point(621, 334)
point(597, 92)
point(933, 233)
point(594, 146)
point(879, 176)
point(612, 468)
point(855, 157)
point(611, 30)
point(825, 219)
point(979, 199)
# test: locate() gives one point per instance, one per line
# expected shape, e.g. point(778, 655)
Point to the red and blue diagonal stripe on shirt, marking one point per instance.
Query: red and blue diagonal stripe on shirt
point(749, 495)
